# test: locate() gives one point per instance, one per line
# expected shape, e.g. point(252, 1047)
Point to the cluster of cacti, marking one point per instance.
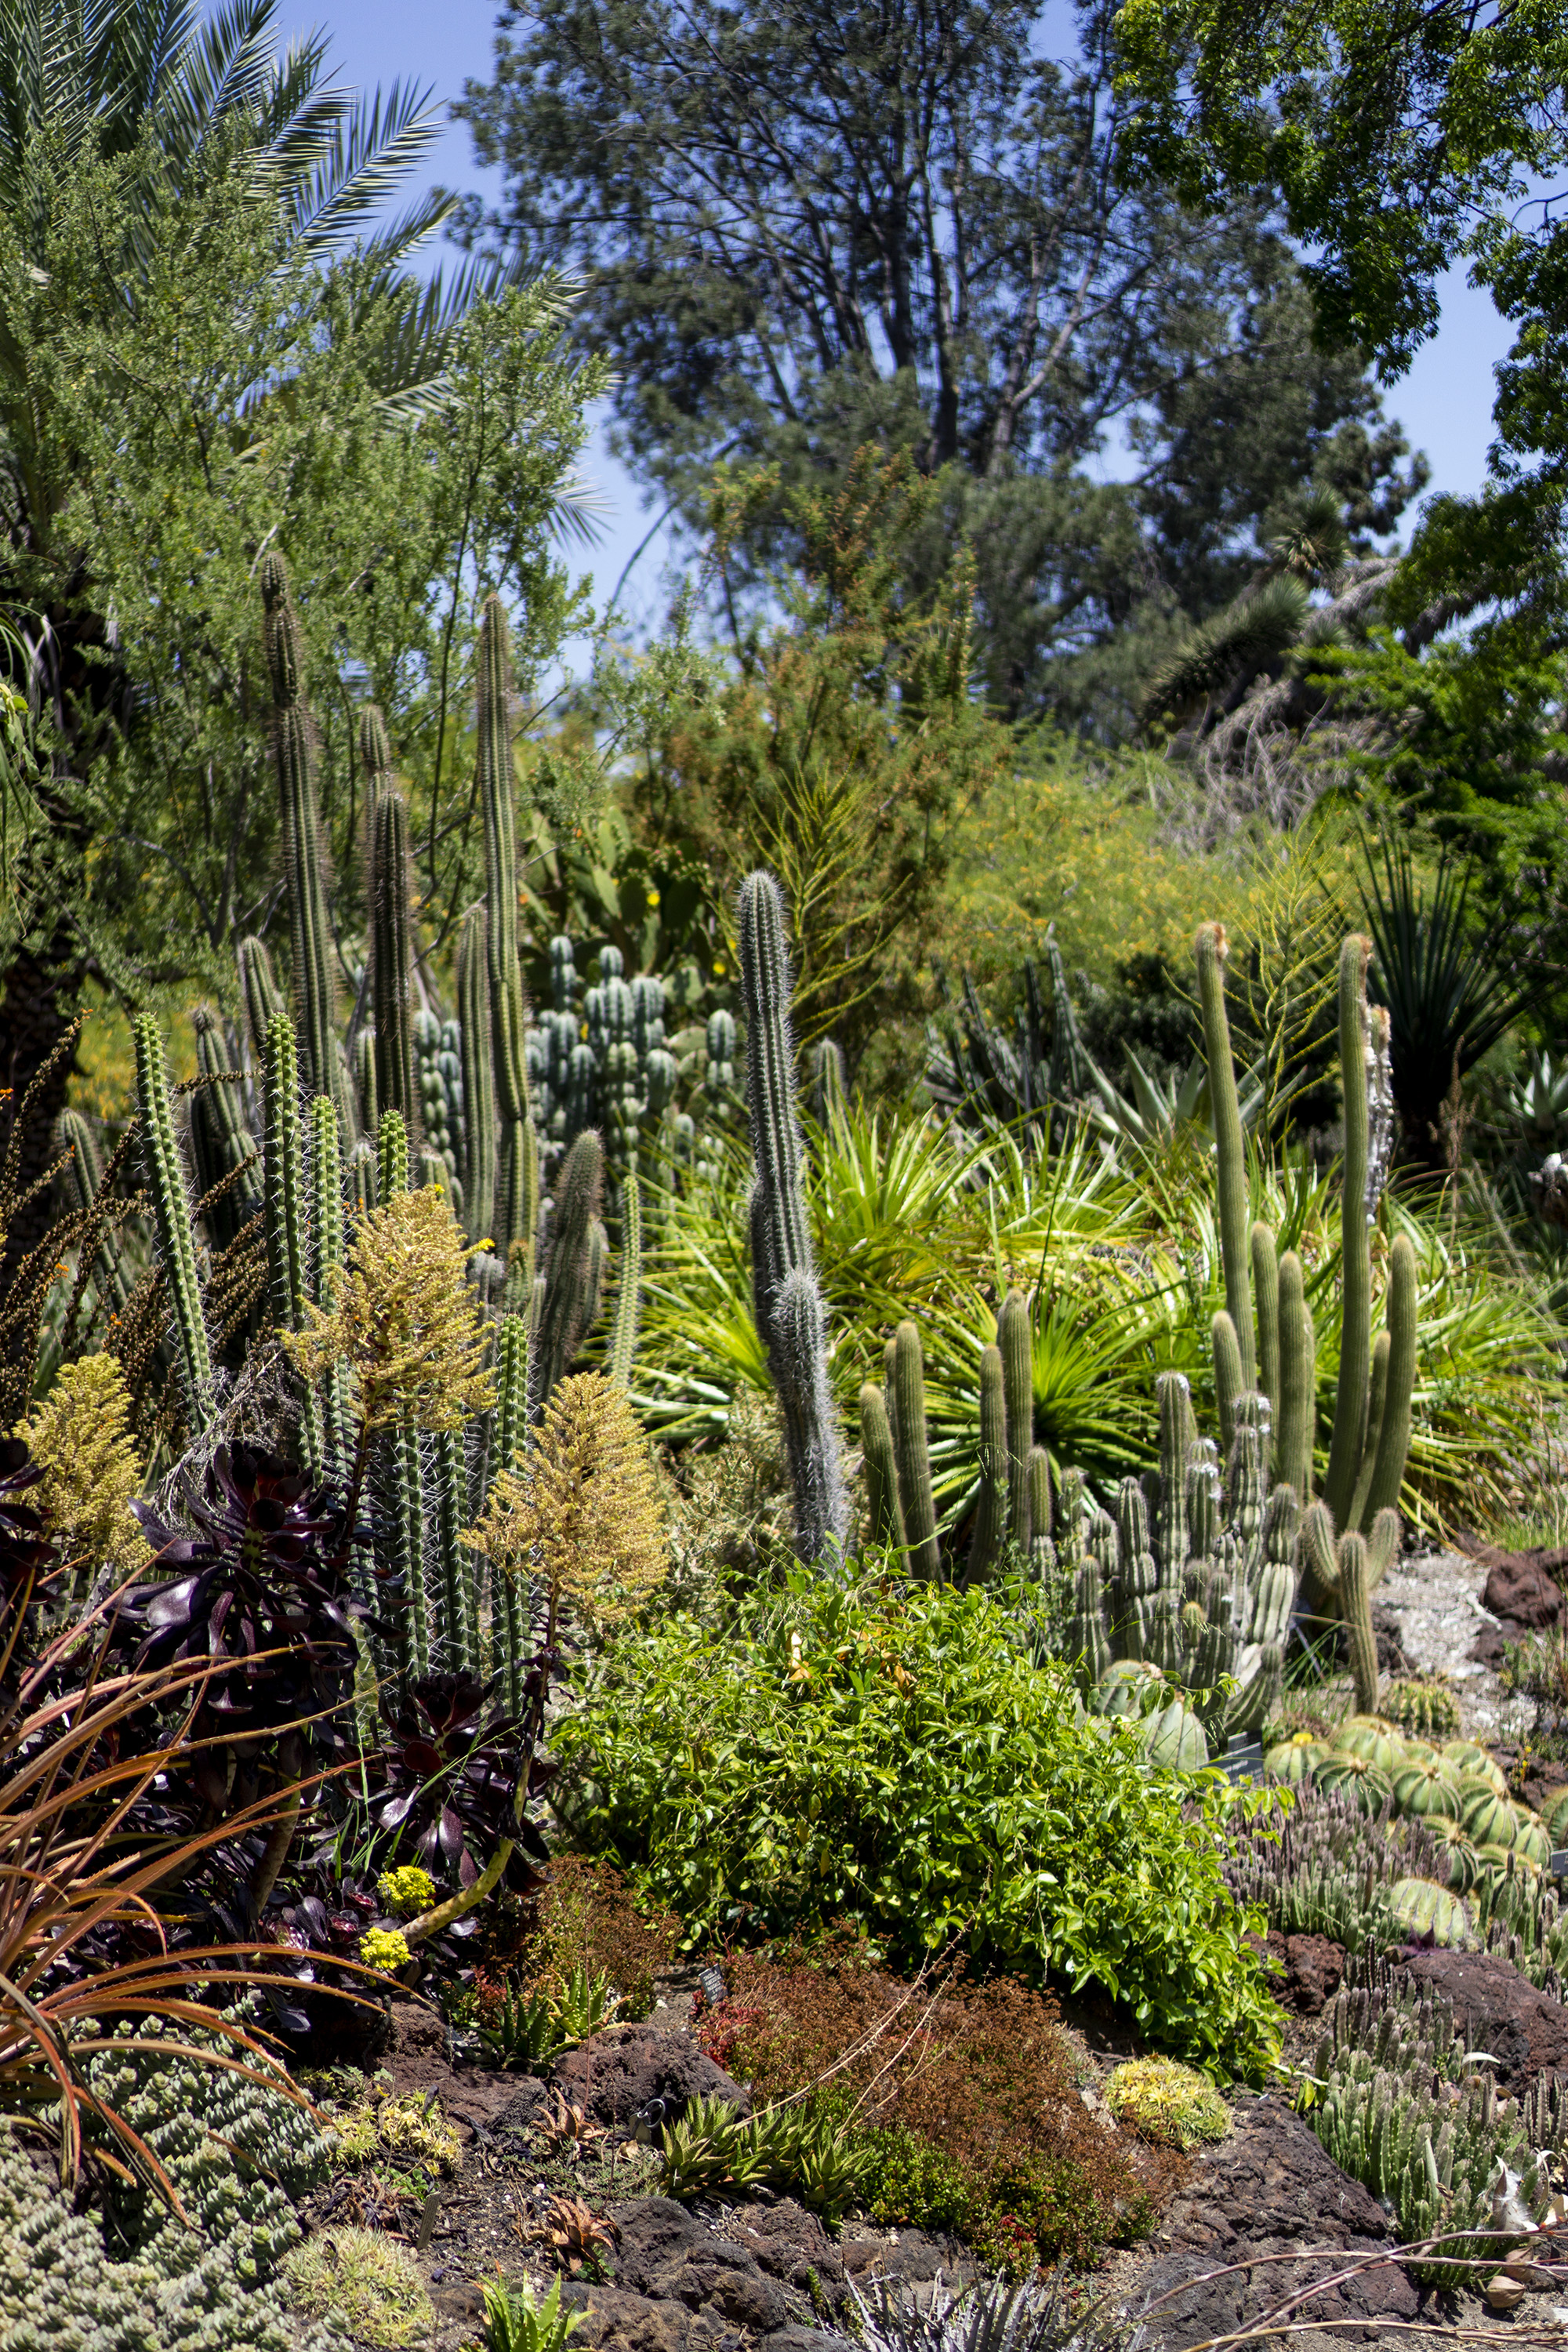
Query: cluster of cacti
point(1398, 2107)
point(439, 1078)
point(1325, 1868)
point(1423, 1706)
point(236, 2150)
point(1457, 1793)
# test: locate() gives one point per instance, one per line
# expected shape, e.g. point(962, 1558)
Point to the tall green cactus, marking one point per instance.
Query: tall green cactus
point(991, 1512)
point(294, 751)
point(884, 1512)
point(1230, 1151)
point(908, 1392)
point(259, 991)
point(507, 1611)
point(1355, 1263)
point(628, 1296)
point(790, 1318)
point(1387, 1470)
point(84, 1181)
point(479, 1075)
point(172, 1213)
point(1266, 1306)
point(375, 759)
point(364, 1082)
point(283, 1191)
point(457, 1616)
point(1014, 1336)
point(570, 1283)
point(1298, 1381)
point(327, 1228)
point(392, 961)
point(392, 1157)
point(219, 1135)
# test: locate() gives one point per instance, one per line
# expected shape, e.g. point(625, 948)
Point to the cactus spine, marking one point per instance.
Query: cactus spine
point(391, 958)
point(1355, 1275)
point(1230, 1151)
point(310, 928)
point(172, 1210)
point(479, 1075)
point(789, 1316)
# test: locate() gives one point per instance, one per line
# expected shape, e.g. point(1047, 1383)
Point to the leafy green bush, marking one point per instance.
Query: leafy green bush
point(890, 1758)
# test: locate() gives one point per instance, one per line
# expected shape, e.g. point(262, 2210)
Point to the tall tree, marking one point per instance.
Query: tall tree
point(806, 227)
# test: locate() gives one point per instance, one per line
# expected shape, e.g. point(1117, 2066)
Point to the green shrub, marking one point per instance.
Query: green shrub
point(891, 1760)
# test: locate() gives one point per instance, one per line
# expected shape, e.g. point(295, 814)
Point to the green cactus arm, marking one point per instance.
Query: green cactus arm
point(628, 1295)
point(1355, 1275)
point(479, 1075)
point(1266, 1306)
point(1319, 1558)
point(1296, 1432)
point(569, 1275)
point(392, 962)
point(259, 994)
point(1393, 1435)
point(1229, 1378)
point(1170, 1533)
point(327, 1225)
point(1355, 1608)
point(991, 1516)
point(1230, 1148)
point(1377, 1391)
point(311, 936)
point(285, 1215)
point(456, 1619)
point(914, 1457)
point(1038, 1472)
point(797, 1357)
point(1383, 1545)
point(83, 1179)
point(884, 1517)
point(172, 1213)
point(392, 1157)
point(1014, 1336)
point(413, 1625)
point(508, 1006)
point(779, 1213)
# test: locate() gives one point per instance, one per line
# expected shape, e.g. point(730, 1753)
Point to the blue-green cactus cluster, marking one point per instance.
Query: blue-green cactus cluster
point(438, 1075)
point(136, 2279)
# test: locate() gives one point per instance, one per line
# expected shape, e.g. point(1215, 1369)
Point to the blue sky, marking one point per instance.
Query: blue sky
point(1444, 403)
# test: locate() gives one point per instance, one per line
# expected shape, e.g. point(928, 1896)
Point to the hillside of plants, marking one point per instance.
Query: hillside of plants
point(782, 1423)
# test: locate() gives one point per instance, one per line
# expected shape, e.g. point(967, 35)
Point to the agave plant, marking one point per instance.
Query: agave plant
point(1450, 995)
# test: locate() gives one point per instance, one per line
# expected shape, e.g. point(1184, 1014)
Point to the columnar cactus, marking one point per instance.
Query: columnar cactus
point(570, 1302)
point(392, 959)
point(259, 991)
point(509, 1006)
point(283, 1191)
point(294, 751)
point(789, 1309)
point(474, 1021)
point(327, 1231)
point(1229, 1149)
point(624, 1330)
point(172, 1213)
point(219, 1138)
point(1355, 1266)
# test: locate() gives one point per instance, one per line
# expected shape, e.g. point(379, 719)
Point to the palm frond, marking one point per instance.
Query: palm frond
point(370, 149)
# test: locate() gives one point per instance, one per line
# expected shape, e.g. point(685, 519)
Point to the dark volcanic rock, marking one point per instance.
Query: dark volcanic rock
point(791, 2245)
point(665, 2253)
point(616, 2076)
point(1271, 2189)
point(1499, 2011)
point(1523, 1594)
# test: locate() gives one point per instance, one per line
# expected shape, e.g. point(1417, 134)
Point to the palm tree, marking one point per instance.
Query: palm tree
point(183, 94)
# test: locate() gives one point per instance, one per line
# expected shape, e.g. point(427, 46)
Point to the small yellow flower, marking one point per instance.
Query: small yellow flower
point(385, 1948)
point(653, 897)
point(407, 1889)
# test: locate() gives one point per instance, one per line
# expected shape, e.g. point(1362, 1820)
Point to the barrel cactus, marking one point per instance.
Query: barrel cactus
point(1295, 1759)
point(1423, 1706)
point(1427, 1909)
point(1173, 1739)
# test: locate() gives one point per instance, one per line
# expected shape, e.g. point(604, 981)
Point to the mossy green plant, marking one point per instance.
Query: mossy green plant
point(1170, 2103)
point(406, 1890)
point(385, 1948)
point(366, 2283)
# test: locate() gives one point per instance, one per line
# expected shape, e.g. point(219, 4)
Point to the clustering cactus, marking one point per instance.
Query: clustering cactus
point(236, 2150)
point(790, 1314)
point(1401, 2110)
point(438, 1050)
point(1329, 1868)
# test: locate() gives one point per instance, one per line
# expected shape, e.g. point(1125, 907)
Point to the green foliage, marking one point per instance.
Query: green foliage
point(362, 2281)
point(894, 1761)
point(1167, 2103)
point(527, 2029)
point(800, 2149)
point(515, 2322)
